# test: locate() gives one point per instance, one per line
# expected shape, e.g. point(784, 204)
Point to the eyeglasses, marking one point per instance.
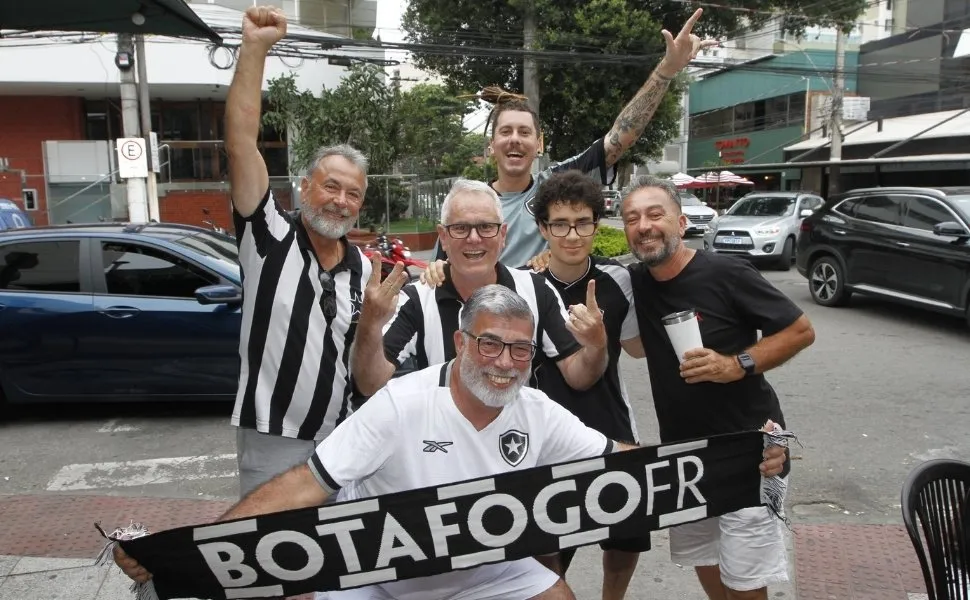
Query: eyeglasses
point(490, 347)
point(329, 295)
point(460, 231)
point(560, 229)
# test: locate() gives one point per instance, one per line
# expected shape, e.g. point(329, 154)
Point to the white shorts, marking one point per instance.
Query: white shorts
point(748, 545)
point(515, 580)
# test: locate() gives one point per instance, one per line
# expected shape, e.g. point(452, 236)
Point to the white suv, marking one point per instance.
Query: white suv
point(698, 214)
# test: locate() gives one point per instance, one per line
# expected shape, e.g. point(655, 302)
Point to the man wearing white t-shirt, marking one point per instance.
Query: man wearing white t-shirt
point(476, 409)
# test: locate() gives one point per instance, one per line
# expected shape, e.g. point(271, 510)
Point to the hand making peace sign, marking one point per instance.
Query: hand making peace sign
point(586, 321)
point(380, 297)
point(683, 48)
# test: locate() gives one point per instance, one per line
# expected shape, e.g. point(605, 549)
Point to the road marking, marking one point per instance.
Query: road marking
point(113, 427)
point(92, 476)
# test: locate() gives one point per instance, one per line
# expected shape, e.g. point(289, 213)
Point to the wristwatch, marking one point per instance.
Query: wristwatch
point(746, 362)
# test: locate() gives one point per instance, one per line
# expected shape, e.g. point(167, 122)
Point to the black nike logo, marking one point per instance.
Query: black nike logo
point(433, 446)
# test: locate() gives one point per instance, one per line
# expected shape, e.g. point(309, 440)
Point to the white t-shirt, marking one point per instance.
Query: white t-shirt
point(411, 435)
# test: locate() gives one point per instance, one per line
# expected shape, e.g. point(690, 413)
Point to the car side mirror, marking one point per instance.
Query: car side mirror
point(951, 228)
point(218, 294)
point(806, 212)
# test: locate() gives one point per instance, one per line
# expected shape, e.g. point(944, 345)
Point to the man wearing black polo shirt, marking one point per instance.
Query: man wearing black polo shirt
point(568, 208)
point(719, 388)
point(421, 320)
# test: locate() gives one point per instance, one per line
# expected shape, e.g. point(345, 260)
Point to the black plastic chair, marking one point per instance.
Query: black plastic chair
point(936, 512)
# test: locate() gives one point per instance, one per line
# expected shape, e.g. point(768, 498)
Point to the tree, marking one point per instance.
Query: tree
point(594, 54)
point(431, 130)
point(360, 112)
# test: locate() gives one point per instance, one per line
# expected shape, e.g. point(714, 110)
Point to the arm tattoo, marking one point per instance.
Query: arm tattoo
point(634, 117)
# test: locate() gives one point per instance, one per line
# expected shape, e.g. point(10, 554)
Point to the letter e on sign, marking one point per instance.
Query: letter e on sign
point(132, 159)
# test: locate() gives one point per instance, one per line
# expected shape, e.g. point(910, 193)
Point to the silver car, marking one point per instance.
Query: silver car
point(698, 213)
point(762, 226)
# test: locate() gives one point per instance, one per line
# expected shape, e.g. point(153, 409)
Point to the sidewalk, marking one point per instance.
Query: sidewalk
point(48, 544)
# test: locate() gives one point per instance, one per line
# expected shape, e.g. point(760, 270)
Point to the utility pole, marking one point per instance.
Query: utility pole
point(835, 128)
point(137, 204)
point(530, 69)
point(146, 123)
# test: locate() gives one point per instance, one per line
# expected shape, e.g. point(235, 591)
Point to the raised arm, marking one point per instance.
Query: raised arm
point(370, 367)
point(261, 28)
point(633, 119)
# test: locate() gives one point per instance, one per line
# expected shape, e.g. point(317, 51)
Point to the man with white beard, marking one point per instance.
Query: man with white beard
point(302, 281)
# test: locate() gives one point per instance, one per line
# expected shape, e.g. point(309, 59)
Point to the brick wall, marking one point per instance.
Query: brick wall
point(187, 207)
point(25, 123)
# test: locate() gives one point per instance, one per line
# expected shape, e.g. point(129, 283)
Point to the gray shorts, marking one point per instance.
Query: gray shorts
point(262, 456)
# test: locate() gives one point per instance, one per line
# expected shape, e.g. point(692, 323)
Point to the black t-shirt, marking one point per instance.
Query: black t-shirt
point(605, 406)
point(733, 302)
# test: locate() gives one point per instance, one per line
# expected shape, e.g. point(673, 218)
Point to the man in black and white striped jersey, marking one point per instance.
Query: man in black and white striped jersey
point(302, 281)
point(421, 320)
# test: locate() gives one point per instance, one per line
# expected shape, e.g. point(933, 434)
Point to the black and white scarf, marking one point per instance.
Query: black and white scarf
point(432, 530)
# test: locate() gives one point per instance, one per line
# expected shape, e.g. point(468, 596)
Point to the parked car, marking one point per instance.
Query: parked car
point(762, 226)
point(698, 213)
point(907, 245)
point(12, 216)
point(115, 312)
point(612, 200)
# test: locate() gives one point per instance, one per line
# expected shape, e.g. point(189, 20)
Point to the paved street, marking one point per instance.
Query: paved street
point(882, 389)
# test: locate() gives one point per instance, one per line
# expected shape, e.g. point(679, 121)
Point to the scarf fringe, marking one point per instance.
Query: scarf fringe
point(144, 591)
point(773, 488)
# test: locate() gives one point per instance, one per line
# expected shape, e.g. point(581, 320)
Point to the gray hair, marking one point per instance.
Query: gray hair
point(498, 300)
point(650, 181)
point(347, 151)
point(464, 186)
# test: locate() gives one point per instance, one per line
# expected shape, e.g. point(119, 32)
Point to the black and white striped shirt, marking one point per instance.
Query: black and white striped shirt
point(294, 374)
point(426, 319)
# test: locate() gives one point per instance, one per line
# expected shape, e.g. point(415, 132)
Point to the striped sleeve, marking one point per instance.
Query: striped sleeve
point(401, 332)
point(557, 341)
point(621, 276)
point(258, 232)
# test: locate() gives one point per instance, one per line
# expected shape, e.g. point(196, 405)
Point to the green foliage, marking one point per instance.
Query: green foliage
point(579, 100)
point(421, 128)
point(609, 242)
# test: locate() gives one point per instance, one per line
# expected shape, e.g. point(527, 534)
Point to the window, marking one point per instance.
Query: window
point(878, 209)
point(30, 199)
point(133, 270)
point(40, 266)
point(924, 213)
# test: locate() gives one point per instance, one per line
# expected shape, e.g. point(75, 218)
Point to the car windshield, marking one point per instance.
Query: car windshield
point(690, 200)
point(963, 204)
point(221, 248)
point(764, 206)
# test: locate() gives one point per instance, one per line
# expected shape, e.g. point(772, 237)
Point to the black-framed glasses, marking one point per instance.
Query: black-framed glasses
point(562, 229)
point(460, 231)
point(490, 347)
point(329, 294)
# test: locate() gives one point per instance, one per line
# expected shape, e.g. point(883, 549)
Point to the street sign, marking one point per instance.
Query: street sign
point(132, 161)
point(153, 154)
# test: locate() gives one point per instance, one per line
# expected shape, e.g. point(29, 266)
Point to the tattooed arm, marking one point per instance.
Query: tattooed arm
point(633, 119)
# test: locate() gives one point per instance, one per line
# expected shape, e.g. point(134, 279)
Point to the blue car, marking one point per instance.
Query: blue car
point(12, 216)
point(116, 312)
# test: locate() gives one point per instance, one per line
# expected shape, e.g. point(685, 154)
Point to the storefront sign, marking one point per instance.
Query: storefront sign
point(731, 151)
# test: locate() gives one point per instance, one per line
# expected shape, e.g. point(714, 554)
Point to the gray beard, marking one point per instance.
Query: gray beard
point(660, 256)
point(327, 227)
point(477, 383)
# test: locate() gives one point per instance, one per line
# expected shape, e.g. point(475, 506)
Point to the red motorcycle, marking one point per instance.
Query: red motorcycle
point(393, 251)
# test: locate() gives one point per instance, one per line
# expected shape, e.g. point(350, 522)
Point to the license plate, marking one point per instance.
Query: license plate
point(731, 240)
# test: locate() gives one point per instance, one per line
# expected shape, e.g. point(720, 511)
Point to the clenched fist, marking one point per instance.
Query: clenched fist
point(263, 26)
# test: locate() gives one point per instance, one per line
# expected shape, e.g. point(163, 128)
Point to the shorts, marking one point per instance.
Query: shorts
point(515, 580)
point(633, 545)
point(262, 456)
point(748, 545)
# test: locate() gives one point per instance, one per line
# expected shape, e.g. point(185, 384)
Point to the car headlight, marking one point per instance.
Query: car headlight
point(768, 231)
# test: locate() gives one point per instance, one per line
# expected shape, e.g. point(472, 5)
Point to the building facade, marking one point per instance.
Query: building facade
point(748, 113)
point(60, 115)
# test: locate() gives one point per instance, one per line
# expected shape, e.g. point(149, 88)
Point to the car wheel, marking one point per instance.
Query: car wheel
point(787, 254)
point(827, 283)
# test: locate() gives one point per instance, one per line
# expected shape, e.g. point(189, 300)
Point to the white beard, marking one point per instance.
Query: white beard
point(476, 380)
point(325, 225)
